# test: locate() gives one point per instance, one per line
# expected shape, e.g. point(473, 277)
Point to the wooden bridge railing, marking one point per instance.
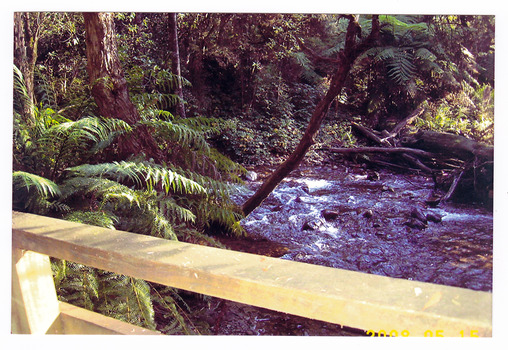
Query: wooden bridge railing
point(354, 299)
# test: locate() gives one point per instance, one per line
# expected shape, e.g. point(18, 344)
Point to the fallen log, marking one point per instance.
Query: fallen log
point(416, 151)
point(453, 187)
point(416, 162)
point(475, 180)
point(449, 145)
point(442, 154)
point(371, 135)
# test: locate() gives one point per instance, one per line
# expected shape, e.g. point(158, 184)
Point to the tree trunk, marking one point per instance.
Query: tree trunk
point(175, 61)
point(26, 39)
point(109, 87)
point(348, 55)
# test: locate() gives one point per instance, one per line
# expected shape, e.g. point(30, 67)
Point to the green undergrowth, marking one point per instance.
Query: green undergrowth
point(63, 168)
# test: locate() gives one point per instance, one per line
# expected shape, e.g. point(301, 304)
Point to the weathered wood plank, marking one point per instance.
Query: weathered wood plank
point(344, 297)
point(34, 304)
point(76, 320)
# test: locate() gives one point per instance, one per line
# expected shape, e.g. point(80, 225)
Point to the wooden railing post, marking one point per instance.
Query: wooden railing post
point(34, 304)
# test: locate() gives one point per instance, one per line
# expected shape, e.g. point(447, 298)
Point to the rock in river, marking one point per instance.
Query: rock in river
point(330, 215)
point(251, 176)
point(418, 214)
point(415, 223)
point(434, 217)
point(311, 225)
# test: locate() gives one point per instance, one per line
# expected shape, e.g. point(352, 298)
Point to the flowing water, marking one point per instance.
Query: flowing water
point(356, 221)
point(346, 218)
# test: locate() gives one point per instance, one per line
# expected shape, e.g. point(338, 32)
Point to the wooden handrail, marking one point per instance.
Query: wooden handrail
point(354, 299)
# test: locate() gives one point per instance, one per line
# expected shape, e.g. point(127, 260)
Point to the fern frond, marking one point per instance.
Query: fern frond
point(143, 174)
point(214, 188)
point(209, 212)
point(399, 27)
point(22, 93)
point(401, 68)
point(102, 188)
point(96, 218)
point(225, 165)
point(125, 298)
point(149, 113)
point(149, 101)
point(178, 133)
point(167, 80)
point(168, 299)
point(75, 283)
point(44, 187)
point(141, 291)
point(172, 209)
point(384, 53)
point(83, 133)
point(206, 125)
point(161, 227)
point(107, 130)
point(425, 54)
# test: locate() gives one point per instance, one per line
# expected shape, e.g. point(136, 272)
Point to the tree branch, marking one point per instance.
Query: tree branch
point(347, 58)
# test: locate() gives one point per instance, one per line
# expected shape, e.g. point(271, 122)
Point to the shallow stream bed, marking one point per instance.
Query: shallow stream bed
point(379, 223)
point(369, 222)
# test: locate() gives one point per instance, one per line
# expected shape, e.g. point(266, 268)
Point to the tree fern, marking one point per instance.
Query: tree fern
point(401, 68)
point(59, 168)
point(403, 28)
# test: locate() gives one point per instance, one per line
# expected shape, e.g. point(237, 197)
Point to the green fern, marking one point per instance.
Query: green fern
point(35, 193)
point(21, 97)
point(175, 315)
point(44, 187)
point(86, 137)
point(173, 200)
point(401, 67)
point(143, 174)
point(125, 298)
point(403, 28)
point(97, 218)
point(121, 203)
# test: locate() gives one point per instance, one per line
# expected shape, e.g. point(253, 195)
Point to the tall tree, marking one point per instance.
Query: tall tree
point(352, 49)
point(27, 32)
point(109, 87)
point(175, 60)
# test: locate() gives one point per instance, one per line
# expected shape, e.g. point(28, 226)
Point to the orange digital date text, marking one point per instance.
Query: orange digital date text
point(428, 333)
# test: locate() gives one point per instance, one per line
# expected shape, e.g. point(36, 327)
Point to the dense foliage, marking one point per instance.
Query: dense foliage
point(250, 83)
